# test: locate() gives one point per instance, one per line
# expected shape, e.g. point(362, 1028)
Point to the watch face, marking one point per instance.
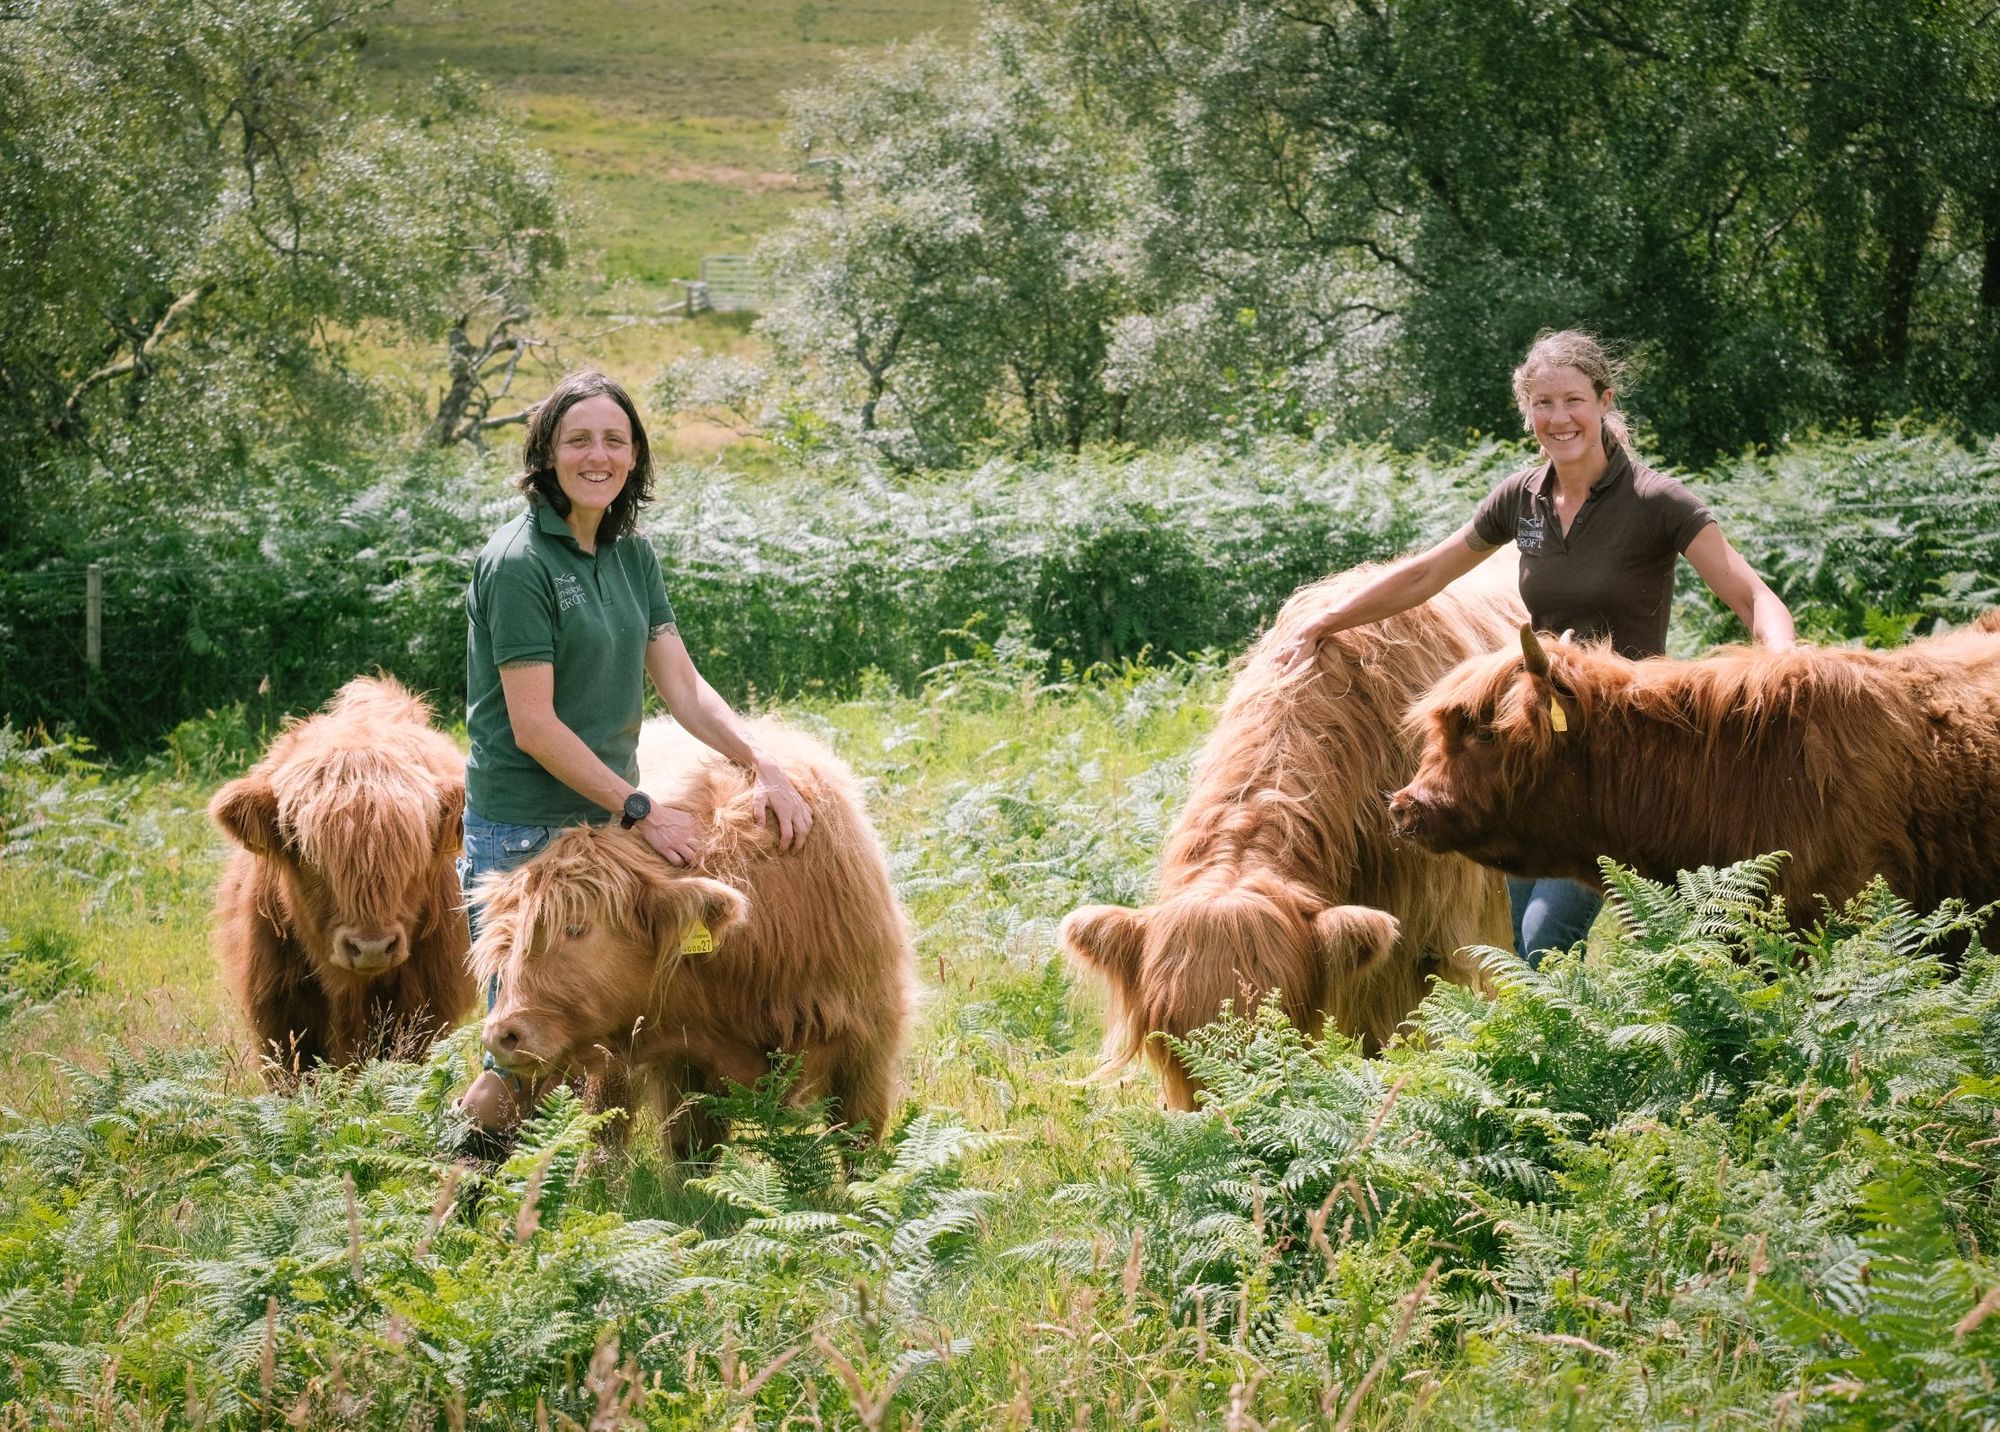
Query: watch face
point(638, 806)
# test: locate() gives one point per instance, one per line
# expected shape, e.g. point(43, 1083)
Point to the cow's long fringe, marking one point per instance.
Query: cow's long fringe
point(1285, 817)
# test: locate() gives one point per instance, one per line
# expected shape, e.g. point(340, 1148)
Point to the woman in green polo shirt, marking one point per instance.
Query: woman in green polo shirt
point(567, 615)
point(1600, 535)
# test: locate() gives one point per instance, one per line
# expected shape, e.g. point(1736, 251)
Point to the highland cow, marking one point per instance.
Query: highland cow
point(1857, 763)
point(654, 982)
point(1281, 872)
point(338, 923)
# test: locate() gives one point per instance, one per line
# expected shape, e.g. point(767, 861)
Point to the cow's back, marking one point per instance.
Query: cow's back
point(1328, 741)
point(824, 957)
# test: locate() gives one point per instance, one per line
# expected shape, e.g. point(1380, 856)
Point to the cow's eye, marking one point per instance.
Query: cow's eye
point(575, 930)
point(1483, 733)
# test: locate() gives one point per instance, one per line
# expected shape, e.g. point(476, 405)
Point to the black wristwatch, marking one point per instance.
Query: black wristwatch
point(638, 806)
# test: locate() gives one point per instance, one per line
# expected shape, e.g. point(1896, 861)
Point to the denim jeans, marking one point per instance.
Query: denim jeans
point(495, 846)
point(1550, 915)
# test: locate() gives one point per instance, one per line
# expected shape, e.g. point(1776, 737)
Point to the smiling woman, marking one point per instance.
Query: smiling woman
point(567, 615)
point(1599, 533)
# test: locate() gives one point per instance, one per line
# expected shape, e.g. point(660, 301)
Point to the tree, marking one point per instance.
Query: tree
point(1791, 211)
point(962, 280)
point(205, 221)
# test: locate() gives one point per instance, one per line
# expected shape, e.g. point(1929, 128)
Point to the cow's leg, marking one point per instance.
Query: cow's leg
point(287, 1023)
point(610, 1087)
point(1177, 1089)
point(862, 1080)
point(690, 1131)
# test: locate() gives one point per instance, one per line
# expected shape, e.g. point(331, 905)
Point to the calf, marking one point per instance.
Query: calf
point(654, 982)
point(338, 923)
point(1859, 763)
point(1280, 872)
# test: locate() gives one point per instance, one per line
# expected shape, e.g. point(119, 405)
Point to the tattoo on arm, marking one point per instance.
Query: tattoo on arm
point(524, 665)
point(663, 629)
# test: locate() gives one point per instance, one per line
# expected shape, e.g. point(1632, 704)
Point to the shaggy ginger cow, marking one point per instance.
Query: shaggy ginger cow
point(1858, 763)
point(338, 922)
point(1281, 872)
point(598, 945)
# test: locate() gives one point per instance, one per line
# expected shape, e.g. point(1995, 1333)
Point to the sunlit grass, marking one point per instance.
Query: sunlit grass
point(666, 120)
point(1554, 1207)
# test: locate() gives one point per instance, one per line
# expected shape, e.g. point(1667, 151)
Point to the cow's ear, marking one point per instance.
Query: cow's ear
point(1107, 940)
point(679, 903)
point(451, 818)
point(1354, 937)
point(247, 812)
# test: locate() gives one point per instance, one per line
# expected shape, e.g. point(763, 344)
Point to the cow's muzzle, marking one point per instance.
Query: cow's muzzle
point(1413, 817)
point(369, 952)
point(506, 1039)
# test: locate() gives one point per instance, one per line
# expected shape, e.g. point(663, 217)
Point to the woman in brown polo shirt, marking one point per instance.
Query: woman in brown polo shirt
point(1599, 534)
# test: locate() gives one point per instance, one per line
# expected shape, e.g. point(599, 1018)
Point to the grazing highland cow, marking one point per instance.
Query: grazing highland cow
point(1859, 763)
point(1284, 839)
point(658, 981)
point(338, 923)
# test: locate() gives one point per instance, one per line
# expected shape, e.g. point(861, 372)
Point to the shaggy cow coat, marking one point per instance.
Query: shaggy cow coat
point(1858, 763)
point(1280, 872)
point(338, 923)
point(601, 947)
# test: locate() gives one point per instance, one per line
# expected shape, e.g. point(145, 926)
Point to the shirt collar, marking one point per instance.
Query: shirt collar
point(548, 520)
point(1618, 464)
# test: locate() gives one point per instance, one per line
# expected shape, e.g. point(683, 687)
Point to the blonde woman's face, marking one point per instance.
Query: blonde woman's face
point(1566, 413)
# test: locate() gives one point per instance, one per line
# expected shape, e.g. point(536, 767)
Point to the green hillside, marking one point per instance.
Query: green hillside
point(667, 117)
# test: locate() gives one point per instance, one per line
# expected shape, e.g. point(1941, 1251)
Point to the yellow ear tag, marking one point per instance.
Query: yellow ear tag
point(697, 939)
point(1556, 717)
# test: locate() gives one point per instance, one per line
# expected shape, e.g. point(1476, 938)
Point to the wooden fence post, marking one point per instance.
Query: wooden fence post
point(93, 616)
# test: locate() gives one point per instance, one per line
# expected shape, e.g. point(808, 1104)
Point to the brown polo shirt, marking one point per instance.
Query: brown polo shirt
point(1613, 575)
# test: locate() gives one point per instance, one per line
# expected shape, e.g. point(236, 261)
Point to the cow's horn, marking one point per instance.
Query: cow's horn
point(1531, 651)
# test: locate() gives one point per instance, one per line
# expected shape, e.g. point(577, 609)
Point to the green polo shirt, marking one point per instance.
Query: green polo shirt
point(537, 596)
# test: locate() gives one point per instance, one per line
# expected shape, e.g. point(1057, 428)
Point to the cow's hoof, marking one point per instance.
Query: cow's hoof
point(490, 1102)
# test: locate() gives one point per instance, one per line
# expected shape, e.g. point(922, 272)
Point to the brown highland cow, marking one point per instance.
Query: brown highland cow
point(654, 982)
point(338, 923)
point(1859, 763)
point(1281, 872)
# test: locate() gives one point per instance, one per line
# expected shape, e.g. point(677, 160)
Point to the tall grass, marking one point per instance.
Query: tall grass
point(1712, 1172)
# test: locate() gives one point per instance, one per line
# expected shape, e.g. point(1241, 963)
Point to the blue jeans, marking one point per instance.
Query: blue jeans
point(495, 846)
point(1550, 915)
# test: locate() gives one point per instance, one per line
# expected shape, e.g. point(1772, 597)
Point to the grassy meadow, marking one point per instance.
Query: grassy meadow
point(1711, 1174)
point(666, 123)
point(666, 117)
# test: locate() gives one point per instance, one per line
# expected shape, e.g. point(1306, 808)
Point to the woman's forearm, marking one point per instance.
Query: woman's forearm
point(547, 740)
point(709, 719)
point(1404, 584)
point(1770, 621)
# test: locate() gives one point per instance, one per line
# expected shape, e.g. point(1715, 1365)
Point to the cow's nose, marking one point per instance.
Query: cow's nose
point(502, 1040)
point(372, 952)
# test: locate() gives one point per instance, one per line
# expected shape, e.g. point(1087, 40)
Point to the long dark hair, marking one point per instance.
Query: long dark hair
point(538, 466)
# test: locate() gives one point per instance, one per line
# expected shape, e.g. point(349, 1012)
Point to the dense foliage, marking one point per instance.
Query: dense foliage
point(1349, 214)
point(1712, 1170)
point(813, 580)
point(207, 218)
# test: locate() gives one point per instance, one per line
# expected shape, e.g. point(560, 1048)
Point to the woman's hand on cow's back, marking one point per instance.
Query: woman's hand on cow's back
point(774, 799)
point(1396, 588)
point(675, 834)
